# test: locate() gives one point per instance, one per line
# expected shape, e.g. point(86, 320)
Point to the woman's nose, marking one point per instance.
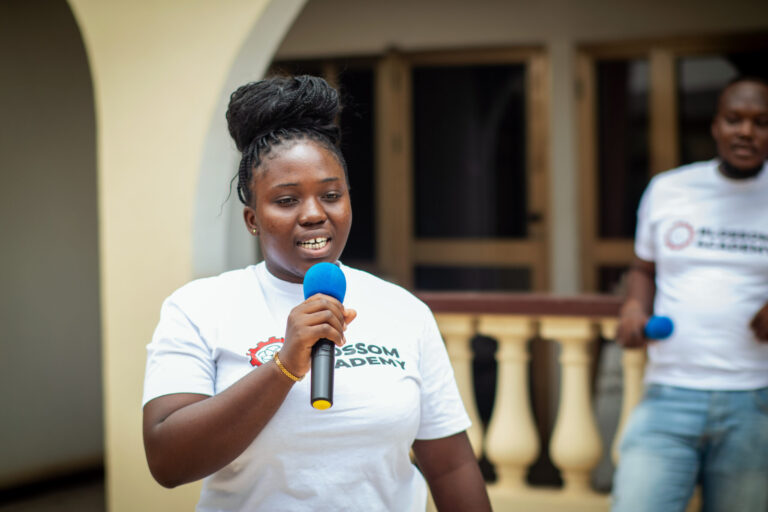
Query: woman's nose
point(312, 212)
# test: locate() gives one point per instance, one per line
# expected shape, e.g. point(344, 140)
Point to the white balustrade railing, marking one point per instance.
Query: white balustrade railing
point(512, 441)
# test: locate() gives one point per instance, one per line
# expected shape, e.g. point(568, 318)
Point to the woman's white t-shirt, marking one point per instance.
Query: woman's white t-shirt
point(393, 384)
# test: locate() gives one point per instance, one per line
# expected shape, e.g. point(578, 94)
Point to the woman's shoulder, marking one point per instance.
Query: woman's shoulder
point(362, 284)
point(213, 289)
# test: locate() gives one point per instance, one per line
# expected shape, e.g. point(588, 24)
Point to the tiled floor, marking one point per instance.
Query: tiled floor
point(81, 496)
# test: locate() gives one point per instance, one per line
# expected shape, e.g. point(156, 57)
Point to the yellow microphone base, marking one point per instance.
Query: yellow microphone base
point(321, 404)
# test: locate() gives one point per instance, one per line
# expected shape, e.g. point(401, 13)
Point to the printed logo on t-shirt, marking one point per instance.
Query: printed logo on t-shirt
point(264, 351)
point(367, 354)
point(679, 235)
point(682, 234)
point(734, 240)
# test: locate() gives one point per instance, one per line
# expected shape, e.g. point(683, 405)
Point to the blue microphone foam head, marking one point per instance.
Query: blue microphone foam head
point(658, 328)
point(325, 278)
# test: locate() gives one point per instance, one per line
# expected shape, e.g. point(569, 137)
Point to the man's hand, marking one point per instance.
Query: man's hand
point(759, 324)
point(630, 332)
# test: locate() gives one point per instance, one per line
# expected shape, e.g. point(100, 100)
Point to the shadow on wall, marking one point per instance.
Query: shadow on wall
point(49, 268)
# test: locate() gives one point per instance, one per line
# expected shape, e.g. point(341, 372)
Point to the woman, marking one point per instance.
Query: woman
point(224, 393)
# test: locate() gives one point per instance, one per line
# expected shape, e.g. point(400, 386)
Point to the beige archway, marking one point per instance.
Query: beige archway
point(159, 71)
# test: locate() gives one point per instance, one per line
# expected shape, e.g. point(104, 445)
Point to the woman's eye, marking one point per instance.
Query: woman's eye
point(285, 201)
point(331, 196)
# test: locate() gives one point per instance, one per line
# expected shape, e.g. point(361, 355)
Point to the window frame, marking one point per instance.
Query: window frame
point(400, 250)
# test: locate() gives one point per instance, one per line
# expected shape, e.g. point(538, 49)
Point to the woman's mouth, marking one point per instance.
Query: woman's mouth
point(314, 243)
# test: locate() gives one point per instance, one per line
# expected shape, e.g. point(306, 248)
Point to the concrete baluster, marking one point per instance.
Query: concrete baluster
point(512, 443)
point(575, 446)
point(633, 367)
point(457, 330)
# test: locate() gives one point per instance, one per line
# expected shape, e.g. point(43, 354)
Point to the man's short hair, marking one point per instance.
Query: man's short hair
point(745, 78)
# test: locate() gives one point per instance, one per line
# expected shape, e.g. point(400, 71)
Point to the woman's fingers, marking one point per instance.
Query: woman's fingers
point(320, 316)
point(320, 302)
point(349, 315)
point(325, 318)
point(332, 331)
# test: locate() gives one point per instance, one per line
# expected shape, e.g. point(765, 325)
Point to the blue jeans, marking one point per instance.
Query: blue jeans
point(677, 438)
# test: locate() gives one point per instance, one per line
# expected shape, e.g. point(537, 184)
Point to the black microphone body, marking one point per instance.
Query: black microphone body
point(323, 362)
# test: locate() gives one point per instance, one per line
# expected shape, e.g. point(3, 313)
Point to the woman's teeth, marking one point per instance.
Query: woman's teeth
point(314, 243)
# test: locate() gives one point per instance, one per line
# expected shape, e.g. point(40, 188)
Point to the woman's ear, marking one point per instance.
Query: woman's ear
point(249, 215)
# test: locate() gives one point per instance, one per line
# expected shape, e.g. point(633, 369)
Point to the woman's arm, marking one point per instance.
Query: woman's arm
point(453, 475)
point(190, 436)
point(638, 306)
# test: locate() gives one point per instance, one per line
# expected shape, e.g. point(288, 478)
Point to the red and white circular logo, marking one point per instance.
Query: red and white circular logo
point(679, 236)
point(265, 351)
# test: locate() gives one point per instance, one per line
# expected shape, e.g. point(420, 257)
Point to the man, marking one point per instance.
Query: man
point(702, 259)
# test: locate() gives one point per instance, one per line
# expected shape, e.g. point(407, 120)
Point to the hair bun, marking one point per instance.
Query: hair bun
point(292, 104)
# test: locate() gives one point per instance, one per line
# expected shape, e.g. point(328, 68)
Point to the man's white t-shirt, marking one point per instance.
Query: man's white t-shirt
point(393, 384)
point(708, 236)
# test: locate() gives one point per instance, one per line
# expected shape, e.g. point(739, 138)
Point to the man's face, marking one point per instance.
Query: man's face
point(740, 127)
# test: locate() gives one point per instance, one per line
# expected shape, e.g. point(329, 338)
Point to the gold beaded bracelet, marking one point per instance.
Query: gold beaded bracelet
point(285, 371)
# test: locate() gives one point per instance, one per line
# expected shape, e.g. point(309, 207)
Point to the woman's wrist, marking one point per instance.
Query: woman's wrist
point(285, 371)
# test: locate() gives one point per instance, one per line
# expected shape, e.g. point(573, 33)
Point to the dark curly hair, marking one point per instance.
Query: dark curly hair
point(264, 114)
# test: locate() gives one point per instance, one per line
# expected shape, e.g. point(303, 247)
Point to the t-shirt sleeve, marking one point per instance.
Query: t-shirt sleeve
point(178, 358)
point(442, 411)
point(645, 245)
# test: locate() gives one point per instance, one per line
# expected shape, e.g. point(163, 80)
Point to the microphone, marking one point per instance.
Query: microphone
point(658, 328)
point(324, 278)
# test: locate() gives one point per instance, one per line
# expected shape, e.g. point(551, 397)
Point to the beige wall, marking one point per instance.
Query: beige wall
point(349, 27)
point(331, 27)
point(158, 71)
point(220, 239)
point(50, 347)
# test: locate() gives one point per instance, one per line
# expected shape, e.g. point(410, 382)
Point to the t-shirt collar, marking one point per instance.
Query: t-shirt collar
point(747, 182)
point(279, 286)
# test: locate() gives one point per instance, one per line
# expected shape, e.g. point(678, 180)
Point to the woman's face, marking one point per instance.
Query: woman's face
point(300, 208)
